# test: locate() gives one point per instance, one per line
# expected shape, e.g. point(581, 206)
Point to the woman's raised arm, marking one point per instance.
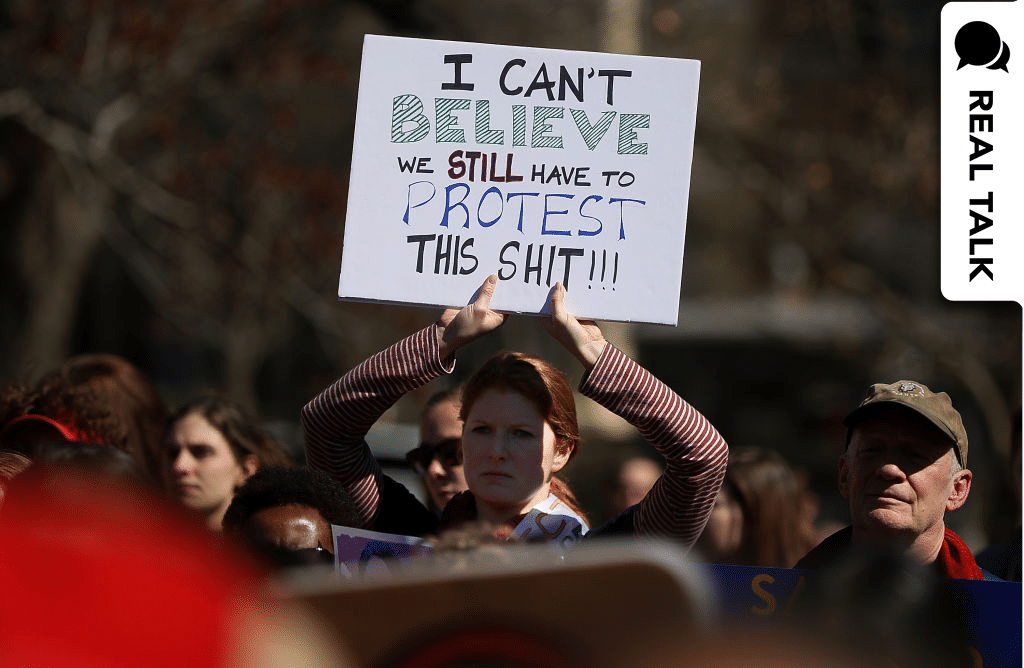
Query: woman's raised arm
point(336, 421)
point(679, 504)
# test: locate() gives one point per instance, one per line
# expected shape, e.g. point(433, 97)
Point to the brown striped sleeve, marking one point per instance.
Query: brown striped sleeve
point(679, 504)
point(336, 421)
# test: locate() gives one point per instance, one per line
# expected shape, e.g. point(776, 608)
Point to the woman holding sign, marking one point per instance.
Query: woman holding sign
point(519, 431)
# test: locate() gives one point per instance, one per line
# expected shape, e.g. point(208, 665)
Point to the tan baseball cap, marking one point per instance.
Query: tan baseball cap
point(936, 407)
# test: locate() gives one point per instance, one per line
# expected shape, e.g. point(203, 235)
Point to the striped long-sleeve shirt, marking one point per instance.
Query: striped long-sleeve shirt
point(335, 424)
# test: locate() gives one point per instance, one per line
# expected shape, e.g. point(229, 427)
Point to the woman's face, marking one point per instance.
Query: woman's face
point(200, 469)
point(724, 532)
point(442, 479)
point(508, 453)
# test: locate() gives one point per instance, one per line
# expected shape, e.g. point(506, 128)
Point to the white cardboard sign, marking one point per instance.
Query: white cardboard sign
point(538, 165)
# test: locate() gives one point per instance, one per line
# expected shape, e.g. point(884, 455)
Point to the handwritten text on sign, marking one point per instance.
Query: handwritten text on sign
point(537, 165)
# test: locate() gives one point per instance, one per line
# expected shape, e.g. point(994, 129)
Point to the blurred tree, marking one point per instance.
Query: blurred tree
point(206, 144)
point(818, 158)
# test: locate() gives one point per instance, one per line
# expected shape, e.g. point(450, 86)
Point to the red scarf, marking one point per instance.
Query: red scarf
point(955, 559)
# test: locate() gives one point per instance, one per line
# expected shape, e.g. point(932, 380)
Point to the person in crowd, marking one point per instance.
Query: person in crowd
point(903, 469)
point(1003, 559)
point(285, 514)
point(93, 458)
point(885, 607)
point(519, 431)
point(635, 477)
point(58, 465)
point(722, 537)
point(211, 447)
point(131, 398)
point(438, 457)
point(758, 518)
point(55, 408)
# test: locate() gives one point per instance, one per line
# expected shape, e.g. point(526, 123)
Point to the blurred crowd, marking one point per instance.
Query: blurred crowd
point(111, 500)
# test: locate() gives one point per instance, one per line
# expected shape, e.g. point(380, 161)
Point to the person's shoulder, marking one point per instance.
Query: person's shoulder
point(827, 551)
point(622, 524)
point(990, 576)
point(1002, 561)
point(400, 512)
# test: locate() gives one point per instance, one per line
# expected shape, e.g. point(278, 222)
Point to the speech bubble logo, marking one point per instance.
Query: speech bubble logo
point(978, 43)
point(1004, 57)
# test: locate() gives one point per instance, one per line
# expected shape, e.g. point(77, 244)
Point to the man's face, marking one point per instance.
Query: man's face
point(443, 480)
point(897, 476)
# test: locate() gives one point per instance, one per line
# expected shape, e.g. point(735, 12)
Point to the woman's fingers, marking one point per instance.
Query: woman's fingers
point(458, 327)
point(483, 300)
point(581, 338)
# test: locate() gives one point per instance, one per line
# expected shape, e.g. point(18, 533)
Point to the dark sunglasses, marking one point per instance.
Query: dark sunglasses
point(448, 452)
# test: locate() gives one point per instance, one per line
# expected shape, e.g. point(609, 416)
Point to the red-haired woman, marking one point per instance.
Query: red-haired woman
point(519, 431)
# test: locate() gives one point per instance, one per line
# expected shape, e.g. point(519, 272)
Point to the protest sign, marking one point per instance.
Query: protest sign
point(358, 552)
point(537, 165)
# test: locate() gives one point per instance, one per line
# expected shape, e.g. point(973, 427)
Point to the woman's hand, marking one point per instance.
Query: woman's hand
point(582, 338)
point(457, 327)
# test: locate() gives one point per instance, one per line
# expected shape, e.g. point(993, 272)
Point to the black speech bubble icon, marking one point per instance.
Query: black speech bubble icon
point(977, 43)
point(1001, 61)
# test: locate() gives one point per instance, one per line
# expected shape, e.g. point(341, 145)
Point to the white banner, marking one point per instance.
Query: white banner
point(538, 165)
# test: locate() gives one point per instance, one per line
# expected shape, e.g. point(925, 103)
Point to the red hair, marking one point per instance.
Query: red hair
point(544, 386)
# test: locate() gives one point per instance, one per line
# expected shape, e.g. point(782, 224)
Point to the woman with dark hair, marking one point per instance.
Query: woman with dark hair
point(211, 447)
point(760, 516)
point(519, 431)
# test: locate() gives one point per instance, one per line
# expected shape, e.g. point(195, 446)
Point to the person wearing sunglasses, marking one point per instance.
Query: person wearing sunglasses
point(438, 458)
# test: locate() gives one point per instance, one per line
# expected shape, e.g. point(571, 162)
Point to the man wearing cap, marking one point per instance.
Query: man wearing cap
point(904, 467)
